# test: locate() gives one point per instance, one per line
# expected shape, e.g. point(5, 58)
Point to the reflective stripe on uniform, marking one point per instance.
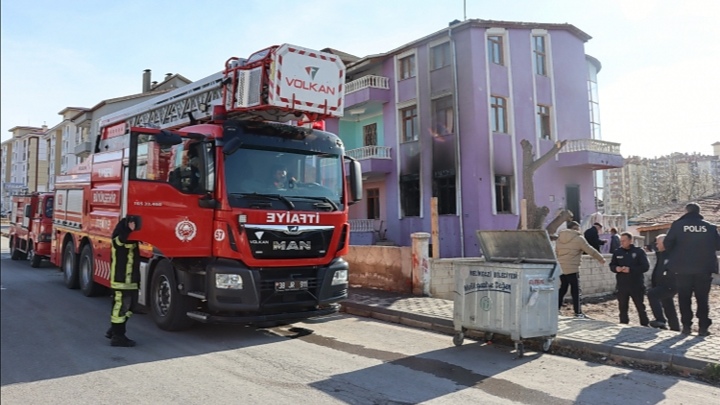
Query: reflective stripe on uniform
point(120, 313)
point(127, 284)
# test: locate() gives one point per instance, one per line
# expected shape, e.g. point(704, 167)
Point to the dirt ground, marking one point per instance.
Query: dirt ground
point(606, 309)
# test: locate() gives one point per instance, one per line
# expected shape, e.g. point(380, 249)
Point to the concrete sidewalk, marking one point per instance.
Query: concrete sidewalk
point(631, 343)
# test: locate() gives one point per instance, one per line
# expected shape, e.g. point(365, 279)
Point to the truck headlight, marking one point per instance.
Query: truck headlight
point(340, 277)
point(228, 281)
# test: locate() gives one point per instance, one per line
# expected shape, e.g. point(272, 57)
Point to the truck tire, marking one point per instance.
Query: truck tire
point(15, 255)
point(34, 259)
point(88, 287)
point(169, 308)
point(70, 267)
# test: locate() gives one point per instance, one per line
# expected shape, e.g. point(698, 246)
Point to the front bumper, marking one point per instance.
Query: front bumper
point(258, 300)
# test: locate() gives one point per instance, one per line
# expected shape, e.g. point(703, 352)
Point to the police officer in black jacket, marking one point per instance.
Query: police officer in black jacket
point(663, 290)
point(124, 280)
point(630, 263)
point(692, 244)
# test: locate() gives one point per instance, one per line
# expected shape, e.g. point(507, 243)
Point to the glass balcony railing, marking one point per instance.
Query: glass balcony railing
point(591, 145)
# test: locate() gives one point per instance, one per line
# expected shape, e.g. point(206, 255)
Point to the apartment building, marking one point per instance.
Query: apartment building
point(444, 115)
point(61, 140)
point(644, 184)
point(25, 163)
point(33, 157)
point(6, 186)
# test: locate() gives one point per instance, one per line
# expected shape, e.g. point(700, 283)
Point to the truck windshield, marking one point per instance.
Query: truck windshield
point(283, 179)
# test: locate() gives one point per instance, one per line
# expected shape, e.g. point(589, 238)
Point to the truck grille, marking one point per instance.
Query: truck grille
point(287, 241)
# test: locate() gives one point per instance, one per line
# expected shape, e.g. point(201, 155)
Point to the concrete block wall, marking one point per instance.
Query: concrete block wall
point(387, 268)
point(595, 279)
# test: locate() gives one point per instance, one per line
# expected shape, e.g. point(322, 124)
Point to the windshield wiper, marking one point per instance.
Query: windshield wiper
point(324, 199)
point(267, 197)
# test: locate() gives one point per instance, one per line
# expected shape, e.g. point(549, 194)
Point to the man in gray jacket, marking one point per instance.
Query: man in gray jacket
point(569, 248)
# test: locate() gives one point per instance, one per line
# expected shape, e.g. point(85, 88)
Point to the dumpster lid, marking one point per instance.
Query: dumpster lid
point(517, 246)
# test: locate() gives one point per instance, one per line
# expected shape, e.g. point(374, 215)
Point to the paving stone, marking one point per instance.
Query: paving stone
point(631, 342)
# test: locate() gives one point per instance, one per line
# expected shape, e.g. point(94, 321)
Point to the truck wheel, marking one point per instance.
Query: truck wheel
point(69, 266)
point(88, 287)
point(15, 253)
point(32, 257)
point(169, 307)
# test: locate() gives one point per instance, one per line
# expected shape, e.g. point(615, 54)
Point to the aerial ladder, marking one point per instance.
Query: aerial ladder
point(280, 83)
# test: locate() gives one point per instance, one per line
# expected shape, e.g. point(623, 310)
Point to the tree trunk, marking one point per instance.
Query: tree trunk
point(562, 216)
point(535, 215)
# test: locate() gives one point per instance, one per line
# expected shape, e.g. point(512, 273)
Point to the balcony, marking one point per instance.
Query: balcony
point(375, 161)
point(591, 154)
point(367, 89)
point(83, 149)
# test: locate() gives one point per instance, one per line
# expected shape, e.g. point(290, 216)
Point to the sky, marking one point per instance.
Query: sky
point(659, 88)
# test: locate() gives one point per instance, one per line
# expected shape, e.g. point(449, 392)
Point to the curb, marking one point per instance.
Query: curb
point(445, 326)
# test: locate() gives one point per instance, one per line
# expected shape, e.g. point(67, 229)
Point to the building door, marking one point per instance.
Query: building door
point(572, 201)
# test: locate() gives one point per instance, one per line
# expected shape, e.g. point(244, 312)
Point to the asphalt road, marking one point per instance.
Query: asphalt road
point(53, 351)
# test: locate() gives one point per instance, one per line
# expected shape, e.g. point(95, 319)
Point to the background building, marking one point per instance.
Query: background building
point(443, 116)
point(647, 184)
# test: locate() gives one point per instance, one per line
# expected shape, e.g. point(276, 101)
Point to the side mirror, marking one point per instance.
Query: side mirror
point(231, 146)
point(166, 138)
point(355, 184)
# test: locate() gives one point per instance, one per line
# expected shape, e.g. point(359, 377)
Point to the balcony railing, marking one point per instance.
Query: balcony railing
point(362, 225)
point(591, 145)
point(378, 82)
point(368, 152)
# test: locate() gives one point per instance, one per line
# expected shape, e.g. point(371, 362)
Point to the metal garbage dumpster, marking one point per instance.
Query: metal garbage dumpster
point(512, 291)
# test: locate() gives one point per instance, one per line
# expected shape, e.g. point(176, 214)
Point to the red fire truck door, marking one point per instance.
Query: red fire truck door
point(168, 183)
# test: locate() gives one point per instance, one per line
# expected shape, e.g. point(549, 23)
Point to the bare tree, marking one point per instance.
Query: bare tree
point(536, 215)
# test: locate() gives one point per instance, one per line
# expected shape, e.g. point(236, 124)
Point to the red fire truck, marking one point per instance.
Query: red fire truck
point(31, 227)
point(242, 218)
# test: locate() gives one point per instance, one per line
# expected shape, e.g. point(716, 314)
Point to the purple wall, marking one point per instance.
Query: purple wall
point(569, 84)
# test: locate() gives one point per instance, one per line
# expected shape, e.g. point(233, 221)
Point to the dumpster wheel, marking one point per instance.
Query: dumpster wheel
point(488, 337)
point(546, 344)
point(458, 339)
point(520, 348)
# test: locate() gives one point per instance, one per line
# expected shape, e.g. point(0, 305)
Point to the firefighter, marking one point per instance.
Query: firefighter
point(124, 279)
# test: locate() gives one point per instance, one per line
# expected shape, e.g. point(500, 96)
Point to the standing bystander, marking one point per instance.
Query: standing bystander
point(614, 240)
point(692, 244)
point(592, 235)
point(630, 263)
point(663, 290)
point(569, 248)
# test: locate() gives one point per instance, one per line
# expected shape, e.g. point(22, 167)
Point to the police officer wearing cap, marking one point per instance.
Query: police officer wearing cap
point(692, 244)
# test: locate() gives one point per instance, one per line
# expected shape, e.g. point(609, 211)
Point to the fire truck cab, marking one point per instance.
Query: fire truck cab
point(31, 227)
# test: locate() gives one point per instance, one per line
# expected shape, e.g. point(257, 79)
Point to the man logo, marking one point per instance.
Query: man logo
point(293, 230)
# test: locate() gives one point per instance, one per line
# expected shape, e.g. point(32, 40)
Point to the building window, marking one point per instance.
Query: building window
point(370, 134)
point(543, 121)
point(440, 56)
point(503, 201)
point(498, 114)
point(410, 195)
point(443, 116)
point(444, 190)
point(409, 119)
point(539, 51)
point(373, 203)
point(495, 49)
point(407, 67)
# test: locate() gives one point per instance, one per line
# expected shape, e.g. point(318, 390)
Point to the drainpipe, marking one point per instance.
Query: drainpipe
point(456, 118)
